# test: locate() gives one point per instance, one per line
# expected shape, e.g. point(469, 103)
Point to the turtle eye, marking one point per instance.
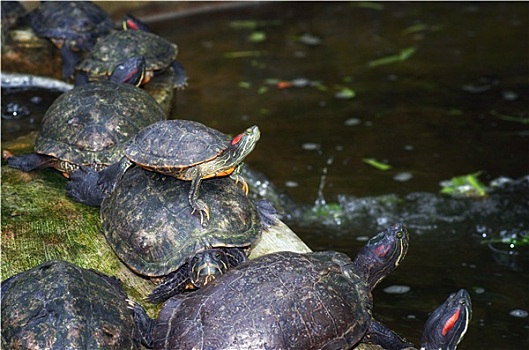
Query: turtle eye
point(399, 234)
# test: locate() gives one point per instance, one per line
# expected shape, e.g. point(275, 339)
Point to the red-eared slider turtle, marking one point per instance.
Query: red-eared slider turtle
point(447, 325)
point(89, 124)
point(58, 305)
point(188, 151)
point(148, 224)
point(116, 47)
point(288, 300)
point(72, 26)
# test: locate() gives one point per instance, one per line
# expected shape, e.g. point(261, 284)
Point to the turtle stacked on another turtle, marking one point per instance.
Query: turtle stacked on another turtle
point(73, 26)
point(89, 125)
point(112, 49)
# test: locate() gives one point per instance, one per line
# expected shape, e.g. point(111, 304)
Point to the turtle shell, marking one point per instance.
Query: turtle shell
point(281, 300)
point(176, 144)
point(58, 305)
point(147, 220)
point(78, 22)
point(118, 46)
point(89, 124)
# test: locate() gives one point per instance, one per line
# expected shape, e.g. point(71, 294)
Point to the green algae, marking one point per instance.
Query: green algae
point(39, 223)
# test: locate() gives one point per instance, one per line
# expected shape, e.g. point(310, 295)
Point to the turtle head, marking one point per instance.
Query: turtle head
point(382, 254)
point(132, 71)
point(206, 265)
point(242, 144)
point(447, 325)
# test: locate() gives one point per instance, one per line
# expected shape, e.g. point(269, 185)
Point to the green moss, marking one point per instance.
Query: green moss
point(39, 223)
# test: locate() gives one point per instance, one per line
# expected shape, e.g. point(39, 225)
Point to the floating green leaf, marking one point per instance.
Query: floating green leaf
point(252, 24)
point(242, 54)
point(257, 37)
point(376, 164)
point(245, 84)
point(465, 185)
point(344, 92)
point(511, 118)
point(403, 55)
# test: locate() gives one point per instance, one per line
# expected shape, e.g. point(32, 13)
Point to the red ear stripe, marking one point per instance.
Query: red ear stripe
point(450, 322)
point(132, 25)
point(382, 250)
point(236, 139)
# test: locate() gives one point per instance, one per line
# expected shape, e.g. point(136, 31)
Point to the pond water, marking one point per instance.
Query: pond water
point(435, 90)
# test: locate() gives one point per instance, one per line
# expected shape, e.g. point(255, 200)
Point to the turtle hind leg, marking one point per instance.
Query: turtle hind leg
point(180, 75)
point(83, 187)
point(31, 162)
point(174, 283)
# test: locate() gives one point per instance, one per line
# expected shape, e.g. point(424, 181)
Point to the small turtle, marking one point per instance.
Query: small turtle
point(150, 228)
point(89, 124)
point(58, 305)
point(447, 325)
point(186, 150)
point(288, 300)
point(159, 54)
point(72, 26)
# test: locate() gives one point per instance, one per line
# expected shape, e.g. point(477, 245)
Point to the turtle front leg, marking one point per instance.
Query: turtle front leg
point(32, 161)
point(236, 176)
point(180, 75)
point(143, 323)
point(70, 59)
point(196, 203)
point(174, 283)
point(379, 334)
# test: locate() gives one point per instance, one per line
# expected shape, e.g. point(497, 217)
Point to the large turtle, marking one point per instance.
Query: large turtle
point(73, 26)
point(89, 124)
point(58, 305)
point(288, 300)
point(147, 222)
point(186, 150)
point(159, 54)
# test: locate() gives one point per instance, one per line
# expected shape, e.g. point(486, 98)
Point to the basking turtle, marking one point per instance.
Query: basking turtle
point(58, 305)
point(159, 54)
point(89, 124)
point(186, 150)
point(72, 26)
point(150, 228)
point(447, 325)
point(288, 300)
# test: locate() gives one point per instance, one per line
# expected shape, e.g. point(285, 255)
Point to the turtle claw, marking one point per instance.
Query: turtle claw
point(244, 184)
point(202, 209)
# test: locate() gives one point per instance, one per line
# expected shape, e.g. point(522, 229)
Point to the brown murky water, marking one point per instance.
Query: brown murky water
point(456, 105)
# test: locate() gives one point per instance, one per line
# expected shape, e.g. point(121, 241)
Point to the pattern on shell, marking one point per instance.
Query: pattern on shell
point(121, 45)
point(62, 306)
point(277, 301)
point(90, 124)
point(77, 21)
point(147, 220)
point(176, 144)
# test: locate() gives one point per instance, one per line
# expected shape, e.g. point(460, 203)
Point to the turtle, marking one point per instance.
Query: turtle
point(289, 300)
point(187, 150)
point(159, 54)
point(448, 323)
point(148, 225)
point(89, 124)
point(59, 305)
point(73, 26)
